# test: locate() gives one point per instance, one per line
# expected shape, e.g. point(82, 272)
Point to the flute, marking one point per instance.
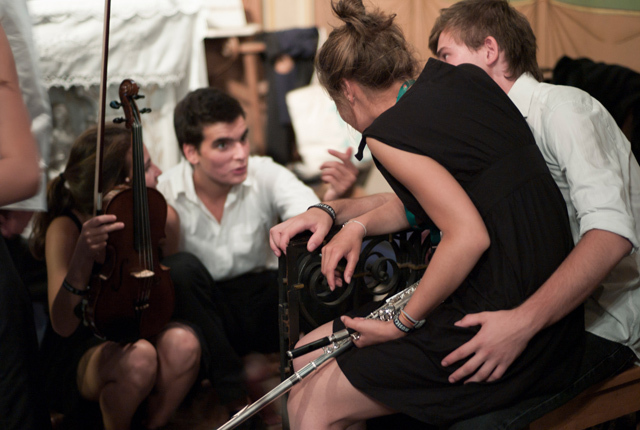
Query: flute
point(386, 312)
point(312, 346)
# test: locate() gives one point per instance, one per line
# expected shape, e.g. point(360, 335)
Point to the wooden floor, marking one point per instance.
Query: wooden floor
point(202, 411)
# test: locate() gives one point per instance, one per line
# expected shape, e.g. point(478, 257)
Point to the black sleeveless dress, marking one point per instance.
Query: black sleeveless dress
point(459, 117)
point(60, 359)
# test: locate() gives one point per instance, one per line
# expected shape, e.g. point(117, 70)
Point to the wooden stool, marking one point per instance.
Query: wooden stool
point(249, 92)
point(608, 400)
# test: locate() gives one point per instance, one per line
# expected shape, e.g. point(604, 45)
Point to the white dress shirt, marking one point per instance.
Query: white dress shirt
point(591, 161)
point(238, 244)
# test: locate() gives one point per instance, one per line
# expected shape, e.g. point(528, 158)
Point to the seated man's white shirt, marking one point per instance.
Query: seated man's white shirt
point(238, 244)
point(591, 161)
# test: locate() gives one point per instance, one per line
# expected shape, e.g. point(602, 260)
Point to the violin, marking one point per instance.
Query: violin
point(131, 296)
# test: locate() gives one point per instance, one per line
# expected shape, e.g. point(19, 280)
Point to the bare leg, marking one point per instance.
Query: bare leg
point(326, 399)
point(119, 377)
point(319, 333)
point(179, 362)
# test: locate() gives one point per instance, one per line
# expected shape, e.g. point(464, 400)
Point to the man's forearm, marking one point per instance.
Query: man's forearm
point(595, 255)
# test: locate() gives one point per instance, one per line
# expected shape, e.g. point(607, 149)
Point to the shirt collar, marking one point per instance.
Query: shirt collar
point(185, 184)
point(187, 187)
point(521, 93)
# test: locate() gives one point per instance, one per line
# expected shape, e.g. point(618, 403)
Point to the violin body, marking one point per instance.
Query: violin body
point(131, 294)
point(129, 301)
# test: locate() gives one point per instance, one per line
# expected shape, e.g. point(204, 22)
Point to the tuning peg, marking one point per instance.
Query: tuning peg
point(119, 120)
point(115, 105)
point(145, 110)
point(138, 96)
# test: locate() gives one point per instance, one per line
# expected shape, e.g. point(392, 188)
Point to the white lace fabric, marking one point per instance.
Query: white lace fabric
point(151, 41)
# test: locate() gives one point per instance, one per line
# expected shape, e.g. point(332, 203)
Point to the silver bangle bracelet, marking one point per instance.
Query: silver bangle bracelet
point(357, 222)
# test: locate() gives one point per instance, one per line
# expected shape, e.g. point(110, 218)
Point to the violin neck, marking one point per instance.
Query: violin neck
point(142, 229)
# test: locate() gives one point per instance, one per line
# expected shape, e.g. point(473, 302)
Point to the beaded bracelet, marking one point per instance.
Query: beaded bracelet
point(357, 222)
point(73, 290)
point(325, 207)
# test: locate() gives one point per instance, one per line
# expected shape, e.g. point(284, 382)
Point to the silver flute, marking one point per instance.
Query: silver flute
point(341, 341)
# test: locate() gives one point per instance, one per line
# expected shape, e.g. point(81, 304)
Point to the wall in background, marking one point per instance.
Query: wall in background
point(603, 30)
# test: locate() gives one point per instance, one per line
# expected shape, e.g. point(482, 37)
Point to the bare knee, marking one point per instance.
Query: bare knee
point(179, 347)
point(307, 414)
point(294, 405)
point(312, 416)
point(140, 366)
point(319, 333)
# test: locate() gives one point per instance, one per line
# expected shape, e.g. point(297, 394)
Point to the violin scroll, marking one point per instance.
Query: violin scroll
point(129, 93)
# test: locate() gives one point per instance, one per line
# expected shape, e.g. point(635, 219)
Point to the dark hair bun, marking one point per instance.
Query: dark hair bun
point(355, 16)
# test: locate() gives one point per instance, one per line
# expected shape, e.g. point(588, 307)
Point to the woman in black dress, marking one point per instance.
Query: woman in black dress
point(459, 156)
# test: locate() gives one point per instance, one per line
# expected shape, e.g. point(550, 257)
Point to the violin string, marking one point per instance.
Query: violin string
point(144, 215)
point(147, 226)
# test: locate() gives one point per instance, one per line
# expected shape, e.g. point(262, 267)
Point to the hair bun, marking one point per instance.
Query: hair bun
point(349, 10)
point(354, 14)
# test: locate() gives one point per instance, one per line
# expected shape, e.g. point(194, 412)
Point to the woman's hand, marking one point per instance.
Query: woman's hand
point(93, 237)
point(372, 332)
point(70, 257)
point(347, 243)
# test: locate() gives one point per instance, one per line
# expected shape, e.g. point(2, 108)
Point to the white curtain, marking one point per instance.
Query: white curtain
point(157, 43)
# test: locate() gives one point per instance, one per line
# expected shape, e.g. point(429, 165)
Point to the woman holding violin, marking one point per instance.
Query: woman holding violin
point(119, 376)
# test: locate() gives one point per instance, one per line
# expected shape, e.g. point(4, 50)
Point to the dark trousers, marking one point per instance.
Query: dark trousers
point(21, 400)
point(232, 318)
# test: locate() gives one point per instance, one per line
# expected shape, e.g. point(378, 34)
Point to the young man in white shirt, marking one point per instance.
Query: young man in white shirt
point(227, 201)
point(590, 160)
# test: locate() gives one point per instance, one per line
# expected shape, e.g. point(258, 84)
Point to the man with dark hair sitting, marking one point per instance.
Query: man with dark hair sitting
point(227, 201)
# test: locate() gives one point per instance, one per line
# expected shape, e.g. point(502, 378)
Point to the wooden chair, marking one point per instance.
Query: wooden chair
point(606, 401)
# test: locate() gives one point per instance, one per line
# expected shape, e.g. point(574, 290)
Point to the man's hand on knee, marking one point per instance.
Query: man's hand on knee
point(502, 338)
